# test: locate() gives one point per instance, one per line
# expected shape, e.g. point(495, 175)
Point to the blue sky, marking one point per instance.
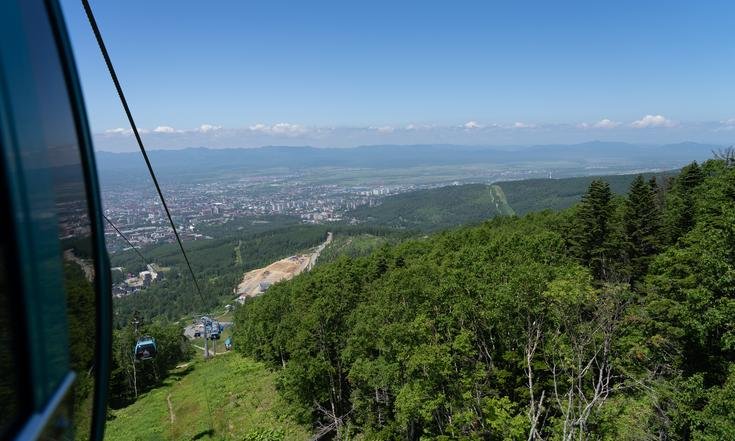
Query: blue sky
point(342, 73)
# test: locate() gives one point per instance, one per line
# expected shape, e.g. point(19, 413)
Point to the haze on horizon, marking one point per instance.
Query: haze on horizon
point(333, 74)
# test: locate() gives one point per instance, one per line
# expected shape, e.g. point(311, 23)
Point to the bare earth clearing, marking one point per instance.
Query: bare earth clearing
point(255, 282)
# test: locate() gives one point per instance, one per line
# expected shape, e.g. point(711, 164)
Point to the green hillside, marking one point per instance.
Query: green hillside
point(444, 207)
point(437, 208)
point(353, 246)
point(612, 320)
point(218, 263)
point(242, 398)
point(532, 195)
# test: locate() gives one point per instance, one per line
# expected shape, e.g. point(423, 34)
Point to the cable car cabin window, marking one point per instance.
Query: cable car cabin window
point(11, 399)
point(8, 381)
point(56, 189)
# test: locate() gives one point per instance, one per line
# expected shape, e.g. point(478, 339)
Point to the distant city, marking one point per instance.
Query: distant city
point(208, 189)
point(142, 220)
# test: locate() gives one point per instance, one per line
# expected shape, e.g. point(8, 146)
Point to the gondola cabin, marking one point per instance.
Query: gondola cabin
point(55, 314)
point(145, 348)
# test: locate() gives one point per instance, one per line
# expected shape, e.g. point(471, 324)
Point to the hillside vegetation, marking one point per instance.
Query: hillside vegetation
point(238, 393)
point(354, 246)
point(437, 208)
point(611, 320)
point(219, 264)
point(444, 207)
point(533, 195)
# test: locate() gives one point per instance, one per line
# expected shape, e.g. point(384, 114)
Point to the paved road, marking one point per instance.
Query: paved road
point(189, 329)
point(315, 255)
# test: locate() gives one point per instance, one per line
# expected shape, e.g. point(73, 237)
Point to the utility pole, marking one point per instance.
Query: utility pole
point(206, 340)
point(135, 322)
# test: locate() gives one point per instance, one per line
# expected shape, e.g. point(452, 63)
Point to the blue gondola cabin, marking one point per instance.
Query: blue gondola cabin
point(145, 348)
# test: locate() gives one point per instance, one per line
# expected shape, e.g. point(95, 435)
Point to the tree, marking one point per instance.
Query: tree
point(642, 222)
point(680, 202)
point(580, 351)
point(659, 192)
point(592, 232)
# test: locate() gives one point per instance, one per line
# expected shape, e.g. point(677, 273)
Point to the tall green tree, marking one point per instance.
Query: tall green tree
point(642, 222)
point(680, 202)
point(591, 235)
point(659, 192)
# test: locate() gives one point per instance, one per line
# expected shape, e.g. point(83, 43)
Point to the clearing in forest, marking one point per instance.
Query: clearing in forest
point(257, 281)
point(242, 398)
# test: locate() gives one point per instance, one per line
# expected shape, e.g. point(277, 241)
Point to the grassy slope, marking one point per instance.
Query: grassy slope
point(242, 397)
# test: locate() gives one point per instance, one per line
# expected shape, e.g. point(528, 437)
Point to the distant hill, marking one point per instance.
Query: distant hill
point(445, 207)
point(437, 208)
point(557, 194)
point(212, 163)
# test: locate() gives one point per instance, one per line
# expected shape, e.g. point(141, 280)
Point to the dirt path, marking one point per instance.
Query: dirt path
point(209, 351)
point(318, 251)
point(170, 409)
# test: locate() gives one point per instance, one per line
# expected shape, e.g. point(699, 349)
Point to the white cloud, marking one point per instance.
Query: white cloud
point(726, 125)
point(383, 129)
point(204, 128)
point(522, 125)
point(652, 121)
point(279, 129)
point(164, 129)
point(119, 131)
point(413, 126)
point(606, 124)
point(601, 124)
point(287, 128)
point(471, 125)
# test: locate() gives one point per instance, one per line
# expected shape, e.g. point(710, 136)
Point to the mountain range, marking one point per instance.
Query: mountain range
point(588, 156)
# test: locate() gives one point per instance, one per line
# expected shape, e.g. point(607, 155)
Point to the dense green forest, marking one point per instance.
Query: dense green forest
point(532, 195)
point(614, 319)
point(435, 209)
point(219, 265)
point(445, 207)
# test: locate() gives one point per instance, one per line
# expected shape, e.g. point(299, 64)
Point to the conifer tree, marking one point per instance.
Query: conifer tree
point(642, 222)
point(659, 192)
point(592, 228)
point(680, 202)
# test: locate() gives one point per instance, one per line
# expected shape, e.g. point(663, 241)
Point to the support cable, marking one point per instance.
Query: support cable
point(111, 69)
point(145, 261)
point(118, 87)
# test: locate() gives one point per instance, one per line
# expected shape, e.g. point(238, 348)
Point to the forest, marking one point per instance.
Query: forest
point(532, 195)
point(161, 308)
point(613, 319)
point(437, 208)
point(219, 265)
